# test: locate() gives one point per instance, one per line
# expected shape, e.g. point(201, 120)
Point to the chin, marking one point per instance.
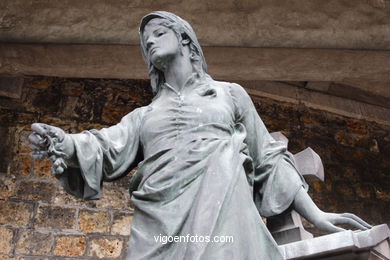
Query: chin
point(160, 61)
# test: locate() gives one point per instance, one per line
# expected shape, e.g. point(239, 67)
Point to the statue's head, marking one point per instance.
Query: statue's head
point(183, 31)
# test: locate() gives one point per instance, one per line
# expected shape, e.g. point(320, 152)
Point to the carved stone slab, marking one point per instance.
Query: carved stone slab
point(357, 245)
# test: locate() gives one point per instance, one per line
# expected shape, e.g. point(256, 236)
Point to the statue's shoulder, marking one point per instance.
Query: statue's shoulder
point(234, 89)
point(228, 86)
point(136, 114)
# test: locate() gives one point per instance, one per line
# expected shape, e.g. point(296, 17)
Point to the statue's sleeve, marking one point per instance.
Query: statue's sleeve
point(275, 179)
point(103, 155)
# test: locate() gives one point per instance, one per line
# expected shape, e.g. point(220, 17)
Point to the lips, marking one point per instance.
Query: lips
point(152, 50)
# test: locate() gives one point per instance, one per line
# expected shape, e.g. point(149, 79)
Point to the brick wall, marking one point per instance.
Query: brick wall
point(38, 220)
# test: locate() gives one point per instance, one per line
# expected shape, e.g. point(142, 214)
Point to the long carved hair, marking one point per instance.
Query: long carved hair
point(183, 30)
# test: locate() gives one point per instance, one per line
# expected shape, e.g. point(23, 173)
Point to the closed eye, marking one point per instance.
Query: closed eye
point(160, 33)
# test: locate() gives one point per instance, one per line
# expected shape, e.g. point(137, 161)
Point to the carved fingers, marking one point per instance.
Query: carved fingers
point(58, 166)
point(329, 227)
point(354, 221)
point(39, 144)
point(42, 138)
point(329, 221)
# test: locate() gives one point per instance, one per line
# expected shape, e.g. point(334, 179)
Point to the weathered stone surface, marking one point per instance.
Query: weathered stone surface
point(5, 257)
point(105, 247)
point(35, 190)
point(55, 217)
point(42, 169)
point(113, 198)
point(94, 221)
point(32, 258)
point(15, 213)
point(34, 243)
point(70, 246)
point(6, 138)
point(22, 164)
point(225, 63)
point(121, 224)
point(11, 87)
point(7, 187)
point(64, 198)
point(303, 24)
point(5, 240)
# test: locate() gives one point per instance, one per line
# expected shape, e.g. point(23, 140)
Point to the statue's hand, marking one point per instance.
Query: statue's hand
point(49, 141)
point(325, 221)
point(328, 221)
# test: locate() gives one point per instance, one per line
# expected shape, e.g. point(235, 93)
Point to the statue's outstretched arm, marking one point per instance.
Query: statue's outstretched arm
point(52, 142)
point(325, 221)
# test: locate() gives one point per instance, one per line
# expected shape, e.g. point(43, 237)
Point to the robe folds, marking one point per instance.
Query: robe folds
point(206, 167)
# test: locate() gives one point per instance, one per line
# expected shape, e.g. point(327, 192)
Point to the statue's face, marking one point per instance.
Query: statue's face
point(162, 44)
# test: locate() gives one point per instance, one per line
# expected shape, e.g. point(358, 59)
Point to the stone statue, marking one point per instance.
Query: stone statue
point(207, 166)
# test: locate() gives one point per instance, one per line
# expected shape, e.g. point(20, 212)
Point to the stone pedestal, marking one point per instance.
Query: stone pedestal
point(287, 228)
point(372, 244)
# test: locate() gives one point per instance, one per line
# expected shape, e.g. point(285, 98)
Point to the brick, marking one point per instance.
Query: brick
point(56, 217)
point(21, 164)
point(113, 198)
point(5, 240)
point(70, 246)
point(382, 194)
point(122, 224)
point(32, 258)
point(94, 221)
point(7, 188)
point(5, 257)
point(21, 136)
point(344, 189)
point(73, 89)
point(105, 248)
point(41, 83)
point(113, 113)
point(35, 190)
point(64, 198)
point(34, 243)
point(364, 190)
point(42, 169)
point(15, 213)
point(356, 127)
point(11, 87)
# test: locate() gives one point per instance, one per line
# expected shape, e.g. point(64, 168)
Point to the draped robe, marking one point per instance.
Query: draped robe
point(207, 166)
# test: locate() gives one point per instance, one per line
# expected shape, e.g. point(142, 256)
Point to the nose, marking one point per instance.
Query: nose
point(149, 42)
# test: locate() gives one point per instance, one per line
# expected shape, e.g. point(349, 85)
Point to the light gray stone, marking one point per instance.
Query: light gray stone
point(342, 245)
point(287, 228)
point(278, 136)
point(310, 165)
